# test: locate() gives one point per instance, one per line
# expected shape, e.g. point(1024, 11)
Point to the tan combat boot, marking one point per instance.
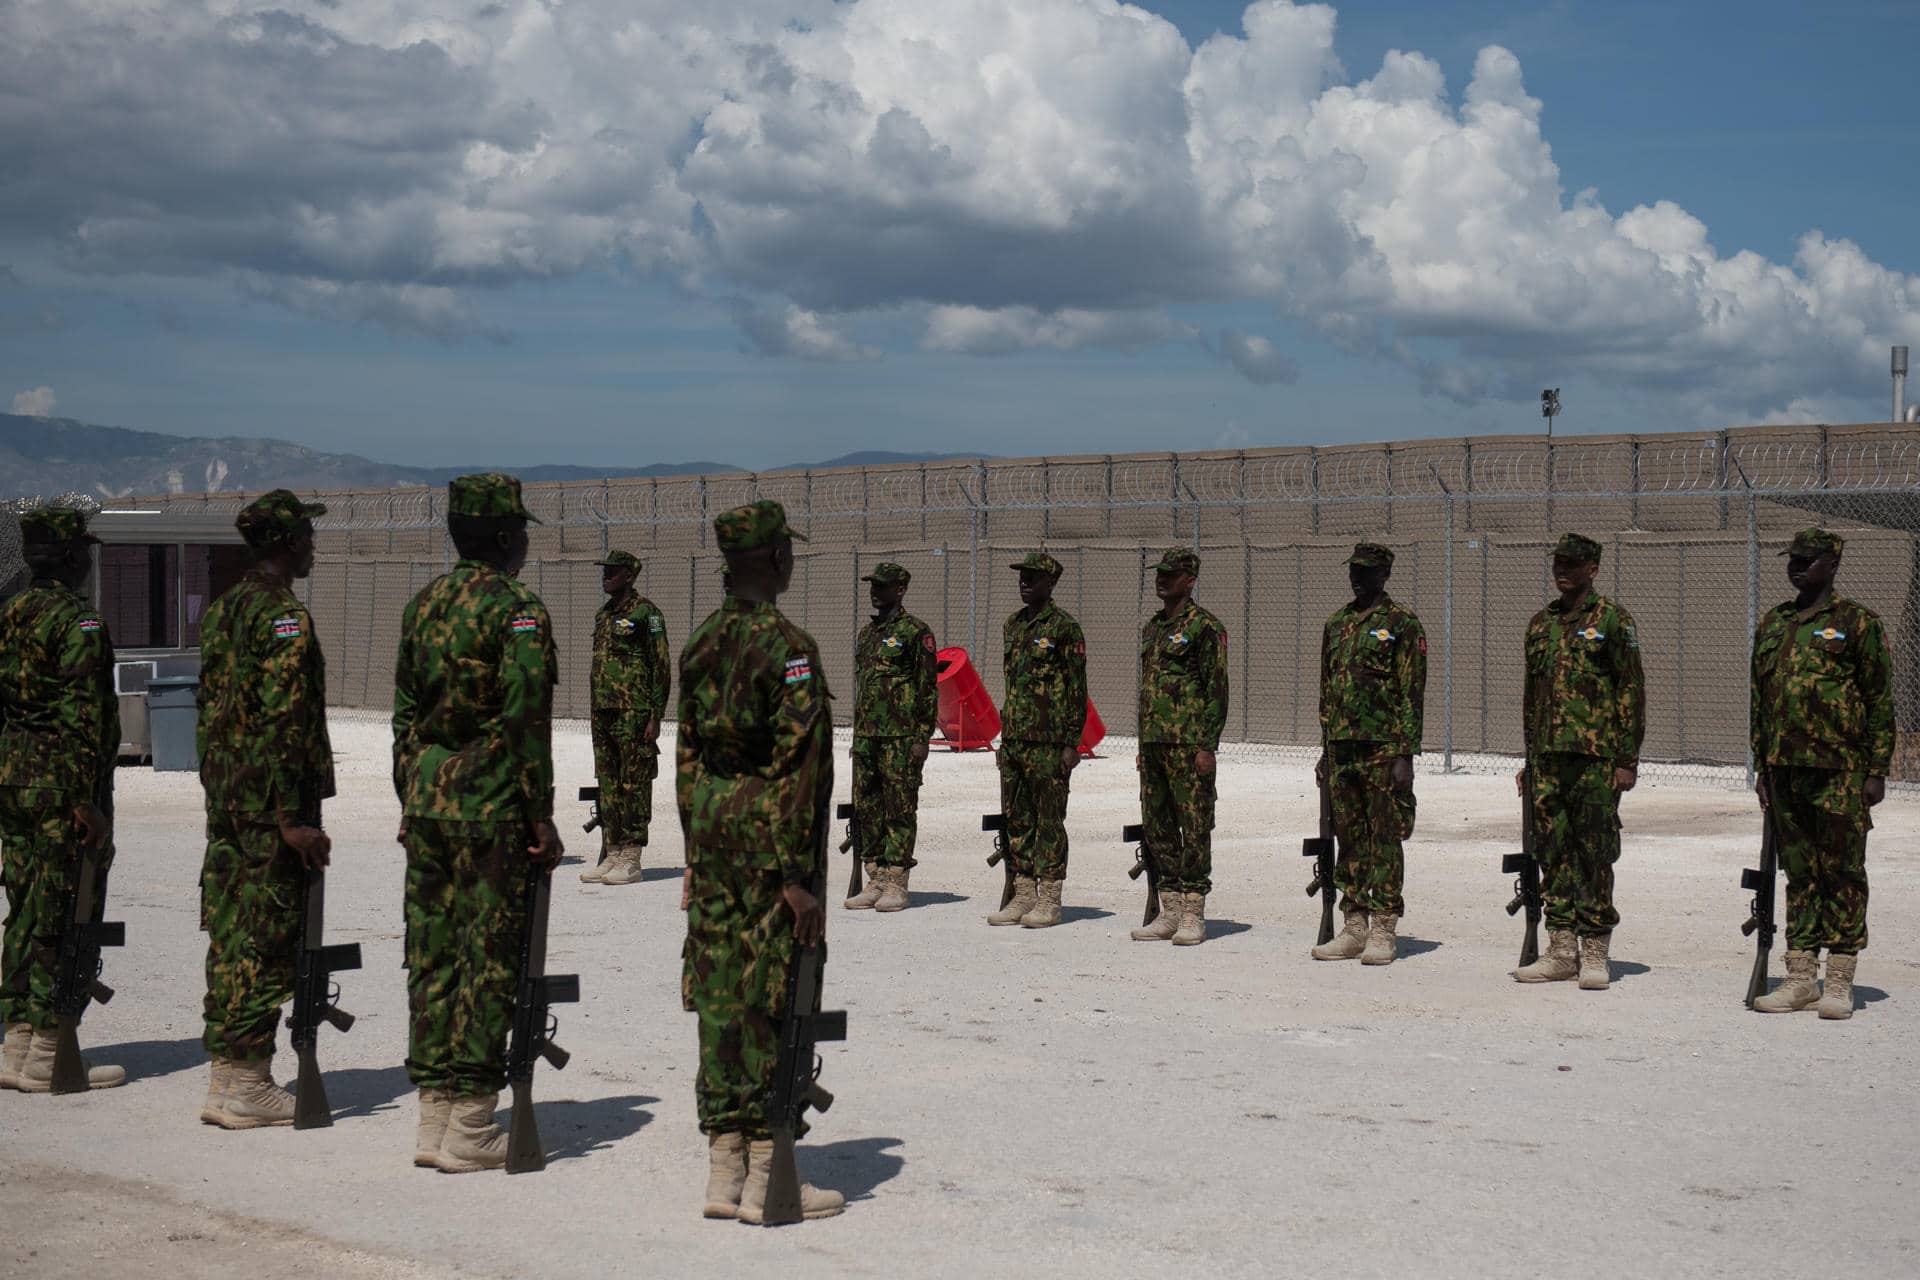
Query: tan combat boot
point(623, 864)
point(1162, 926)
point(1595, 974)
point(597, 872)
point(1797, 992)
point(36, 1073)
point(1046, 908)
point(14, 1057)
point(1347, 943)
point(726, 1174)
point(893, 894)
point(218, 1075)
point(1193, 920)
point(435, 1104)
point(1557, 965)
point(864, 900)
point(1383, 943)
point(1836, 1000)
point(473, 1141)
point(814, 1203)
point(1025, 894)
point(252, 1100)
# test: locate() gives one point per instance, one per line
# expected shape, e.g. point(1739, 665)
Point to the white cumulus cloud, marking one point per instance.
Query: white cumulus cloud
point(794, 331)
point(37, 403)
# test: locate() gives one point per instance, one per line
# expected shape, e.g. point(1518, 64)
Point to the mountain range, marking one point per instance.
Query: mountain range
point(45, 456)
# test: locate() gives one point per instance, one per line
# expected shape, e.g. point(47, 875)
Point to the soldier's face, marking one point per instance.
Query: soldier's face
point(783, 563)
point(517, 543)
point(1812, 574)
point(302, 548)
point(1036, 588)
point(1573, 575)
point(614, 579)
point(1366, 579)
point(885, 595)
point(1171, 584)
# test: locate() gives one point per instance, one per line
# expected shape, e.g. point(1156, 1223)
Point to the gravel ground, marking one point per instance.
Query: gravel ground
point(1061, 1102)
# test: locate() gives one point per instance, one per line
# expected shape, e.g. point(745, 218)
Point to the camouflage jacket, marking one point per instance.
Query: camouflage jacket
point(896, 690)
point(1045, 664)
point(1373, 677)
point(473, 700)
point(755, 740)
point(632, 663)
point(59, 718)
point(1821, 689)
point(263, 705)
point(1585, 695)
point(1183, 678)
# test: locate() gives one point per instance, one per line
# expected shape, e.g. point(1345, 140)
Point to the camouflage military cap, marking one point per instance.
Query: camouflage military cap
point(1178, 560)
point(1040, 562)
point(888, 574)
point(1577, 546)
point(274, 516)
point(50, 526)
point(1811, 544)
point(619, 560)
point(758, 524)
point(1371, 555)
point(488, 493)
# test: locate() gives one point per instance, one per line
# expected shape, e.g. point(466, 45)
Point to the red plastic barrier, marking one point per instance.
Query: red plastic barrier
point(1096, 729)
point(967, 717)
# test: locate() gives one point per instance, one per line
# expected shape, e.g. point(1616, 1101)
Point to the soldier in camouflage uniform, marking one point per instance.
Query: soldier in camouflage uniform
point(1183, 708)
point(1585, 714)
point(266, 765)
point(1822, 735)
point(1373, 692)
point(632, 666)
point(895, 700)
point(1044, 714)
point(59, 738)
point(473, 766)
point(754, 781)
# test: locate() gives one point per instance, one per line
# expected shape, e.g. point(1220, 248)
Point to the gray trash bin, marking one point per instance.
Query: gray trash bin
point(172, 716)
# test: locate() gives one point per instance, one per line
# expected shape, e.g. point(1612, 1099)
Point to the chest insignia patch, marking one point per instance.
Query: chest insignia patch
point(1043, 643)
point(1383, 635)
point(623, 624)
point(1828, 633)
point(1178, 639)
point(892, 642)
point(1592, 635)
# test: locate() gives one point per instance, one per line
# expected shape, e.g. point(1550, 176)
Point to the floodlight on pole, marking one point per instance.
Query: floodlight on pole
point(1550, 407)
point(1899, 384)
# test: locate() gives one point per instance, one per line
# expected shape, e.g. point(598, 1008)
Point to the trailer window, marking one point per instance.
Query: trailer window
point(140, 594)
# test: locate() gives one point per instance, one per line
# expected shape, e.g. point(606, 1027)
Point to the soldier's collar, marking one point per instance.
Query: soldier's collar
point(1381, 603)
point(1802, 615)
point(1190, 605)
point(1560, 606)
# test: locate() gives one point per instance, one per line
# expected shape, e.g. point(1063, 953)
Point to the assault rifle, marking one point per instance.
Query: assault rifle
point(796, 1075)
point(997, 823)
point(1144, 863)
point(1759, 924)
point(315, 1000)
point(1321, 849)
point(851, 845)
point(1526, 870)
point(592, 796)
point(76, 975)
point(534, 1025)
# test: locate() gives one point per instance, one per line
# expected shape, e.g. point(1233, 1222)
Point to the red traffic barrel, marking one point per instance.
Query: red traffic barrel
point(1096, 729)
point(968, 720)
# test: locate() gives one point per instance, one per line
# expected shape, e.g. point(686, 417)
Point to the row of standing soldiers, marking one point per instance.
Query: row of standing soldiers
point(473, 770)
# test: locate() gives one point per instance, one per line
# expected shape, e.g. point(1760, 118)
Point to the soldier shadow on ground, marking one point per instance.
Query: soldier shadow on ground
point(145, 1059)
point(853, 1167)
point(1221, 927)
point(1072, 915)
point(364, 1091)
point(1619, 969)
point(571, 1129)
point(1869, 995)
point(917, 899)
point(1416, 946)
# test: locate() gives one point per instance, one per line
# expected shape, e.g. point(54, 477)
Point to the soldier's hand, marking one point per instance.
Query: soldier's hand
point(1400, 773)
point(1520, 782)
point(400, 836)
point(918, 751)
point(91, 824)
point(1624, 778)
point(313, 845)
point(1203, 763)
point(809, 919)
point(1069, 760)
point(686, 888)
point(1320, 772)
point(1760, 789)
point(653, 729)
point(1876, 791)
point(546, 847)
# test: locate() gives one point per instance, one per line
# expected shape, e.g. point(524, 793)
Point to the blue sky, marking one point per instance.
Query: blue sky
point(516, 259)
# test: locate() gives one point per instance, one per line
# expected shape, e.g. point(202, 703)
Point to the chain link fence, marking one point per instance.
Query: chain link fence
point(1691, 524)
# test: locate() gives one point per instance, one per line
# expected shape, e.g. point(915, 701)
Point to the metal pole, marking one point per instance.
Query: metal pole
point(1446, 633)
point(1753, 587)
point(1899, 384)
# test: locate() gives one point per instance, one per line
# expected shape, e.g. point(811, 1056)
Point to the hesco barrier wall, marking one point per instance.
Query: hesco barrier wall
point(1691, 523)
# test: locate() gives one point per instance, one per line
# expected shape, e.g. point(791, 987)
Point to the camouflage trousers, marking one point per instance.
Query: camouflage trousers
point(250, 909)
point(40, 858)
point(466, 905)
point(625, 764)
point(1176, 808)
point(1822, 820)
point(1033, 795)
point(1576, 840)
point(886, 799)
point(1371, 819)
point(733, 975)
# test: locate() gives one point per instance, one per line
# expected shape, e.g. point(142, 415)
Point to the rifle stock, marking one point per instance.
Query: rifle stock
point(1525, 867)
point(1760, 924)
point(1321, 849)
point(76, 982)
point(592, 796)
point(316, 1000)
point(997, 823)
point(851, 845)
point(534, 1025)
point(1144, 863)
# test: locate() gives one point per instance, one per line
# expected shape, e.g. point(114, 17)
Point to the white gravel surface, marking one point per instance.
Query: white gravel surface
point(1057, 1102)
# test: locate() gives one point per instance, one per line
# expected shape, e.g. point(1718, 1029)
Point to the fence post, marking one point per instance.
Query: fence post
point(1446, 635)
point(1753, 586)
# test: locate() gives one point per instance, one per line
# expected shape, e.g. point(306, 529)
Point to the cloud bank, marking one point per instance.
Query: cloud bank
point(37, 403)
point(984, 176)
